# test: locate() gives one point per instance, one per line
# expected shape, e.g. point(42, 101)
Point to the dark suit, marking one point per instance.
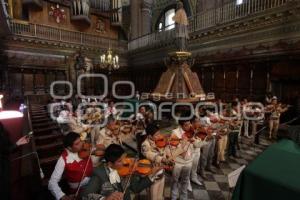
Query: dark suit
point(100, 186)
point(6, 147)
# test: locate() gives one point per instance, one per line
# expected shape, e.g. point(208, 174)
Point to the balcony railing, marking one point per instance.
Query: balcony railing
point(232, 11)
point(214, 17)
point(161, 37)
point(62, 35)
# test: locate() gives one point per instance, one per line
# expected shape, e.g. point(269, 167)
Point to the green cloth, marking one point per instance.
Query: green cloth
point(274, 175)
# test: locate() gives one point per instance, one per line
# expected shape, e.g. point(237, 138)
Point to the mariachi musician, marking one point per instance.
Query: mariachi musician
point(183, 162)
point(76, 170)
point(155, 149)
point(106, 182)
point(275, 109)
point(110, 134)
point(221, 130)
point(235, 124)
point(208, 150)
point(198, 142)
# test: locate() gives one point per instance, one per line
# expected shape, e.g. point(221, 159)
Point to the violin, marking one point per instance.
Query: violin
point(86, 150)
point(130, 166)
point(189, 134)
point(174, 141)
point(143, 167)
point(160, 141)
point(126, 129)
point(198, 131)
point(214, 119)
point(202, 132)
point(127, 166)
point(99, 151)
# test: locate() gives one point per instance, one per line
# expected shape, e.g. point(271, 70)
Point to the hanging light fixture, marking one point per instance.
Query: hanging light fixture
point(109, 61)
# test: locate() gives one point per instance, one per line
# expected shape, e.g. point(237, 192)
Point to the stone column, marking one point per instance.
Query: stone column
point(34, 81)
point(146, 16)
point(134, 21)
point(46, 81)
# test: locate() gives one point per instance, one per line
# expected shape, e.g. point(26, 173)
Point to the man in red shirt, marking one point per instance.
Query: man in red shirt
point(72, 166)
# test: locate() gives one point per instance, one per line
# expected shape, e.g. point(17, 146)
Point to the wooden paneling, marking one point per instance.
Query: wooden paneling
point(146, 80)
point(15, 84)
point(231, 84)
point(40, 82)
point(31, 81)
point(207, 82)
point(28, 83)
point(219, 85)
point(237, 82)
point(244, 81)
point(259, 81)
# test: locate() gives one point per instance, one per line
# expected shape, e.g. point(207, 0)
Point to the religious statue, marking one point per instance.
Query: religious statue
point(80, 64)
point(181, 27)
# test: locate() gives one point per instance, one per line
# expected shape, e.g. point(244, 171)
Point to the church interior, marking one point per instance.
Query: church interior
point(149, 99)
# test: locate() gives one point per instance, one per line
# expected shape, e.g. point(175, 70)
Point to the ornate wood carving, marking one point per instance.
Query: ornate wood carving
point(179, 81)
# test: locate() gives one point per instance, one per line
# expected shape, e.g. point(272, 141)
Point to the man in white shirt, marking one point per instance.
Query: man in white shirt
point(183, 162)
point(158, 156)
point(106, 183)
point(197, 144)
point(72, 166)
point(111, 109)
point(245, 109)
point(108, 135)
point(208, 150)
point(275, 109)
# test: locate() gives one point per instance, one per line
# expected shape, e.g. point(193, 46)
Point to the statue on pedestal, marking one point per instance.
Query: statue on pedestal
point(181, 27)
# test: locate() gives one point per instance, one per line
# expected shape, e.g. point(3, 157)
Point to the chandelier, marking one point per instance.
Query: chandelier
point(109, 61)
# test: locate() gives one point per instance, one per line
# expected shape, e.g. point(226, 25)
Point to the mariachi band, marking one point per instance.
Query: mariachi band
point(96, 165)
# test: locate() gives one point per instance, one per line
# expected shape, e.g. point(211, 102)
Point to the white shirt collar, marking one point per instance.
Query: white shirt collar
point(114, 176)
point(178, 132)
point(72, 157)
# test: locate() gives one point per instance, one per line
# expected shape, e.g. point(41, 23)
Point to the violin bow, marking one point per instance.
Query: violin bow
point(171, 152)
point(84, 171)
point(130, 176)
point(83, 174)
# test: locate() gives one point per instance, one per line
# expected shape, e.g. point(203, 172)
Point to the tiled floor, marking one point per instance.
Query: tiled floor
point(215, 187)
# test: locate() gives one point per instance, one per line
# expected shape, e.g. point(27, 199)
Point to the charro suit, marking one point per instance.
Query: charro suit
point(101, 184)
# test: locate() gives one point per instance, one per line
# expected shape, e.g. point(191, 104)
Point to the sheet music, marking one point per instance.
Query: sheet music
point(234, 176)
